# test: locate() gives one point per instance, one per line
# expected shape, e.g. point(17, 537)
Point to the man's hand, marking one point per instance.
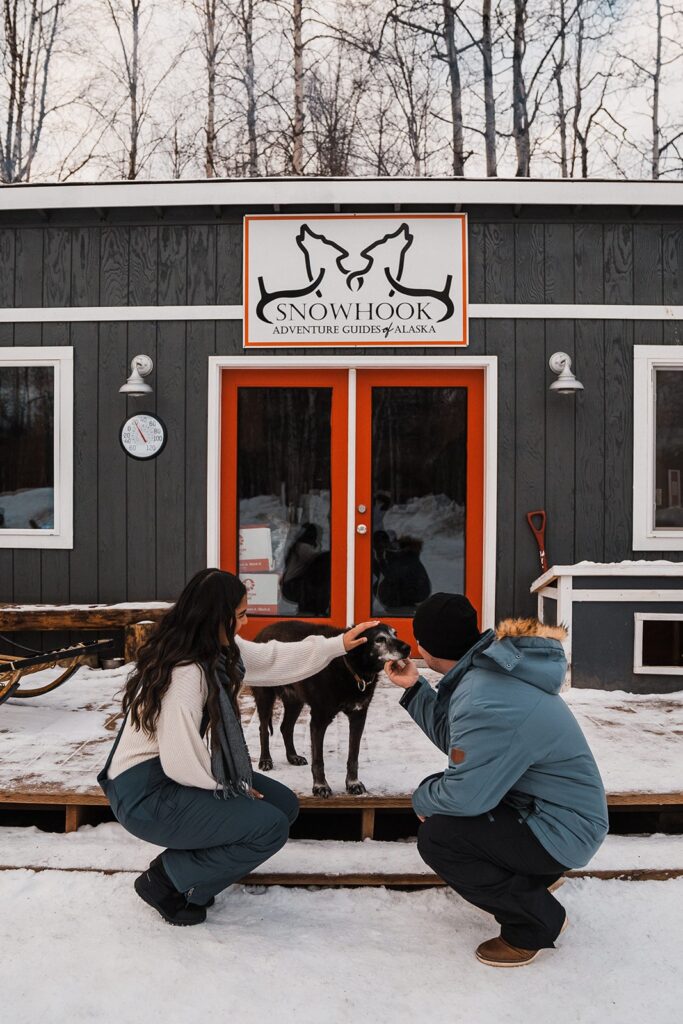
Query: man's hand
point(353, 638)
point(402, 673)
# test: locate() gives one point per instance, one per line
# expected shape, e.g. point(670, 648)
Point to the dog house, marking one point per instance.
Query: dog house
point(341, 390)
point(625, 623)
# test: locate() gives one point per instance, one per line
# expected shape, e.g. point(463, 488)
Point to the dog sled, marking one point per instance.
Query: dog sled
point(59, 666)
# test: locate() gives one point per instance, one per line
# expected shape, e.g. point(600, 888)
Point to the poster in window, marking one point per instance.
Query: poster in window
point(262, 592)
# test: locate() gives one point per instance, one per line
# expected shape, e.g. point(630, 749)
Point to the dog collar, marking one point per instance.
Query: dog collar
point(360, 682)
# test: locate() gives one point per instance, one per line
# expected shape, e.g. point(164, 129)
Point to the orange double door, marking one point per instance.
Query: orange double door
point(351, 494)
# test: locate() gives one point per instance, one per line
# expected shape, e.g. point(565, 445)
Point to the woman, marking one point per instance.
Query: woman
point(161, 777)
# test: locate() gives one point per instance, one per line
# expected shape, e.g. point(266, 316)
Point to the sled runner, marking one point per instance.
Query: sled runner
point(66, 661)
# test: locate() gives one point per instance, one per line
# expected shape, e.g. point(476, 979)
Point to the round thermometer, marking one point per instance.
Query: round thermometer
point(143, 436)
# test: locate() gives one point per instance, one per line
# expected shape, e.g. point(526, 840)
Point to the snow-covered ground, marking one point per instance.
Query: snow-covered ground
point(81, 948)
point(62, 739)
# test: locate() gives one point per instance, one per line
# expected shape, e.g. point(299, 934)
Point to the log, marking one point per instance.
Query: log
point(136, 635)
point(18, 618)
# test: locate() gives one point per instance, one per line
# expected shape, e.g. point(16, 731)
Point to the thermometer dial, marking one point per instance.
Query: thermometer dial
point(143, 436)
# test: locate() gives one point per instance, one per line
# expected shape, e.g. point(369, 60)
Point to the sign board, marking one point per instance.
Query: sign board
point(256, 549)
point(355, 279)
point(262, 592)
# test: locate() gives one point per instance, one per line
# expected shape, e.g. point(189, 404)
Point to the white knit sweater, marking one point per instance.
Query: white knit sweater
point(185, 756)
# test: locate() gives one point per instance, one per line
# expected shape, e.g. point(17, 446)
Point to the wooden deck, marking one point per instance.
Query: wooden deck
point(51, 749)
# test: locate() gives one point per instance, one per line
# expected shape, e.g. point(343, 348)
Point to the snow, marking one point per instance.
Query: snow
point(20, 507)
point(632, 561)
point(109, 847)
point(82, 947)
point(123, 605)
point(61, 740)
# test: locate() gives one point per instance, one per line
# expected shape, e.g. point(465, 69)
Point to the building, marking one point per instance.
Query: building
point(391, 423)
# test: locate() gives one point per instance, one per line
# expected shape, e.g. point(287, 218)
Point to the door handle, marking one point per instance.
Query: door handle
point(361, 528)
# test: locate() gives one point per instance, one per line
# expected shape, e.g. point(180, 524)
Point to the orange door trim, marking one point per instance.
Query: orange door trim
point(337, 380)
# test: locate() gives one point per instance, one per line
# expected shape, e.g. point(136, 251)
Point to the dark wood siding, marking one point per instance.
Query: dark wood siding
point(140, 529)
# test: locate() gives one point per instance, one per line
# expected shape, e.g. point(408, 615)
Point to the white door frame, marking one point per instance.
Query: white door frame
point(489, 364)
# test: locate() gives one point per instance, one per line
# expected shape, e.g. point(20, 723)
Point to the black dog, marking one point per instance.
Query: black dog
point(347, 684)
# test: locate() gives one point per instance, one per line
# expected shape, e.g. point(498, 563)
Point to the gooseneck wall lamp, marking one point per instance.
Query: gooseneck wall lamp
point(141, 366)
point(566, 383)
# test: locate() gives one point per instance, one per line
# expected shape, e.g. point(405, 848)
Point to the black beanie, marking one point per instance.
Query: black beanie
point(445, 625)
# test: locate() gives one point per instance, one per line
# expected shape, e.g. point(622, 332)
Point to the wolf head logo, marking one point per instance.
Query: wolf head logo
point(328, 275)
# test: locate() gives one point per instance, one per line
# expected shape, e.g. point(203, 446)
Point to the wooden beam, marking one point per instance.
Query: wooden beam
point(75, 814)
point(366, 805)
point(367, 825)
point(78, 617)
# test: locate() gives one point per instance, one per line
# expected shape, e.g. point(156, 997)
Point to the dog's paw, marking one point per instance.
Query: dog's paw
point(265, 764)
point(296, 759)
point(323, 790)
point(355, 788)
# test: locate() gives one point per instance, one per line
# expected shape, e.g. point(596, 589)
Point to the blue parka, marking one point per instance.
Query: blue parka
point(510, 737)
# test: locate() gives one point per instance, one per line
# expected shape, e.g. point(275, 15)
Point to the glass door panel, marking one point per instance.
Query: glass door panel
point(284, 487)
point(419, 491)
point(284, 470)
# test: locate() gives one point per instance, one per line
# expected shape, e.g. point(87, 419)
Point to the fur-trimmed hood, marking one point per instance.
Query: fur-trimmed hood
point(529, 627)
point(527, 650)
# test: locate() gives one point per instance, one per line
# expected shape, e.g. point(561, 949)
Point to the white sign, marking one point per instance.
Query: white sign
point(262, 592)
point(256, 549)
point(355, 279)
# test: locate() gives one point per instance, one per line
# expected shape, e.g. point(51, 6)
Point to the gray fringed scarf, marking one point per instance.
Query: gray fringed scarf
point(230, 761)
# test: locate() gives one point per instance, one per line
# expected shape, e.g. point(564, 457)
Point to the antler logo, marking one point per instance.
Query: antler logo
point(330, 279)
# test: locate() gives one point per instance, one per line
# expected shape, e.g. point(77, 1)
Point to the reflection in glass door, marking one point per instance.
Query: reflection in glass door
point(419, 490)
point(419, 495)
point(283, 494)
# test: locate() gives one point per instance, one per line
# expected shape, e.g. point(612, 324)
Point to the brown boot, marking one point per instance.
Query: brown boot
point(499, 953)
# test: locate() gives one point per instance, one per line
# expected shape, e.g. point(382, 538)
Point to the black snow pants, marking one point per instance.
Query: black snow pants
point(495, 862)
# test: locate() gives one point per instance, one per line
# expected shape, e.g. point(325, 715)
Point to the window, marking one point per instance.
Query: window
point(658, 448)
point(658, 646)
point(36, 439)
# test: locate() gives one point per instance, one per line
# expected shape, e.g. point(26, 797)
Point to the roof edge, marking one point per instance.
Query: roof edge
point(329, 191)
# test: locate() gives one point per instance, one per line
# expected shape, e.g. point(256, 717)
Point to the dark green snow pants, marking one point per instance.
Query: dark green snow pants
point(210, 842)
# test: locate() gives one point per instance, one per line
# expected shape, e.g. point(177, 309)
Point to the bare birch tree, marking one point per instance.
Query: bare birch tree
point(28, 46)
point(668, 50)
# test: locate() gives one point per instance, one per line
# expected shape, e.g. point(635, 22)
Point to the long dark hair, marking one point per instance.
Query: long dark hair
point(189, 632)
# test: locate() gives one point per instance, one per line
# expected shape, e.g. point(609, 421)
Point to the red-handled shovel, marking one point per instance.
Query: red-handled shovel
point(539, 533)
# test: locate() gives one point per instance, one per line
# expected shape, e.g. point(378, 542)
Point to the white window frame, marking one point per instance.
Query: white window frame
point(61, 359)
point(647, 360)
point(652, 670)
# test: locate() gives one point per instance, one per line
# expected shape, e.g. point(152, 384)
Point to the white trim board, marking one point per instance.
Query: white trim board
point(647, 359)
point(62, 360)
point(477, 311)
point(652, 670)
point(607, 569)
point(367, 192)
point(487, 363)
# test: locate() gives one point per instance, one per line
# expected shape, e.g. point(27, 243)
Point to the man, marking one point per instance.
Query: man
point(521, 800)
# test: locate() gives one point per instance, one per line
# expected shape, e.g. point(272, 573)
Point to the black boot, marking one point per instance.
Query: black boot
point(156, 889)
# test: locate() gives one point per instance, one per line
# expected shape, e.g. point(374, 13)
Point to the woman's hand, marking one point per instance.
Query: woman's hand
point(255, 793)
point(402, 673)
point(352, 637)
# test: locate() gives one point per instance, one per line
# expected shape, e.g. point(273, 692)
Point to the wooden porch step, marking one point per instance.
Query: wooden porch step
point(75, 805)
point(317, 862)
